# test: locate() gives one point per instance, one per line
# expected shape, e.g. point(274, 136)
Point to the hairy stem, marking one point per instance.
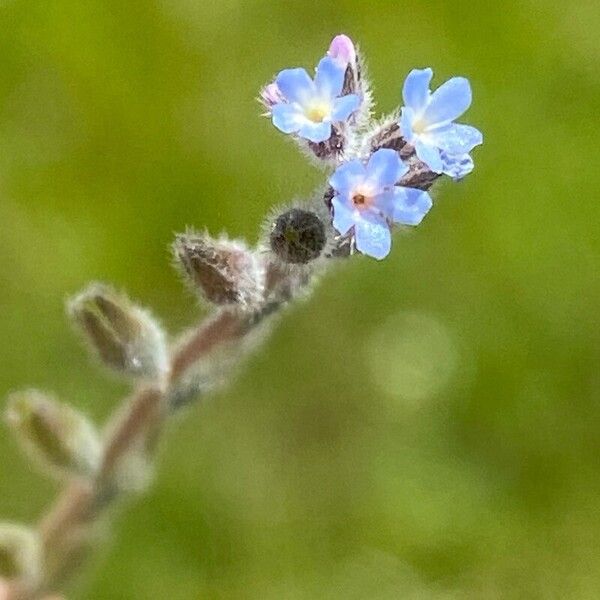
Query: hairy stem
point(63, 529)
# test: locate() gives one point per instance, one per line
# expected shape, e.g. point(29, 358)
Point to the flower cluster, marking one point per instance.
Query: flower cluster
point(381, 171)
point(380, 176)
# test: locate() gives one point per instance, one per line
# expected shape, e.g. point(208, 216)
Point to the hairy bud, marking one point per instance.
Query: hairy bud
point(125, 337)
point(54, 434)
point(19, 553)
point(386, 134)
point(134, 472)
point(222, 271)
point(343, 51)
point(332, 149)
point(297, 236)
point(419, 176)
point(270, 95)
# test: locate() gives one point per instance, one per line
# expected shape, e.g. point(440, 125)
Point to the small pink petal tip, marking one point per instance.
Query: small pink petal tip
point(342, 49)
point(271, 95)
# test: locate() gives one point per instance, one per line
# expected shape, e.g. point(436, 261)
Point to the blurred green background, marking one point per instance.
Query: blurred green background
point(423, 427)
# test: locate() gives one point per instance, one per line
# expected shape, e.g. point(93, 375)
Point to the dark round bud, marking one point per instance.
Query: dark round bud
point(297, 236)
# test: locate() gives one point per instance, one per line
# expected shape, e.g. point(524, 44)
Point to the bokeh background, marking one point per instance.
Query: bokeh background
point(423, 427)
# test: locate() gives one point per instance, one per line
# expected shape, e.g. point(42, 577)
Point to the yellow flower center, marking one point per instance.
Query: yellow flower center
point(419, 126)
point(317, 113)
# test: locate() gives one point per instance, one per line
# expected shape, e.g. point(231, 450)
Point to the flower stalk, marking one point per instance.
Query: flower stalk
point(380, 177)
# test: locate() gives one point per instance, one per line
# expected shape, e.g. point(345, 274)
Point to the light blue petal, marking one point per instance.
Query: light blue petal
point(343, 216)
point(343, 107)
point(430, 155)
point(329, 79)
point(410, 205)
point(457, 139)
point(315, 132)
point(295, 85)
point(415, 92)
point(287, 117)
point(385, 203)
point(385, 168)
point(347, 176)
point(372, 235)
point(407, 118)
point(457, 166)
point(449, 101)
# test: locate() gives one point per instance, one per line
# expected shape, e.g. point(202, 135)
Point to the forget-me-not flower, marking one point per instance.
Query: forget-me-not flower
point(367, 199)
point(427, 122)
point(311, 106)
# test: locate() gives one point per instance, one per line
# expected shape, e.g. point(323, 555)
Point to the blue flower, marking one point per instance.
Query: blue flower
point(368, 200)
point(310, 107)
point(427, 122)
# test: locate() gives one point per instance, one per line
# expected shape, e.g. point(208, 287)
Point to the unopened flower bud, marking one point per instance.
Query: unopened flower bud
point(297, 236)
point(386, 134)
point(223, 271)
point(125, 337)
point(271, 95)
point(19, 554)
point(134, 472)
point(342, 50)
point(419, 176)
point(54, 434)
point(331, 150)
